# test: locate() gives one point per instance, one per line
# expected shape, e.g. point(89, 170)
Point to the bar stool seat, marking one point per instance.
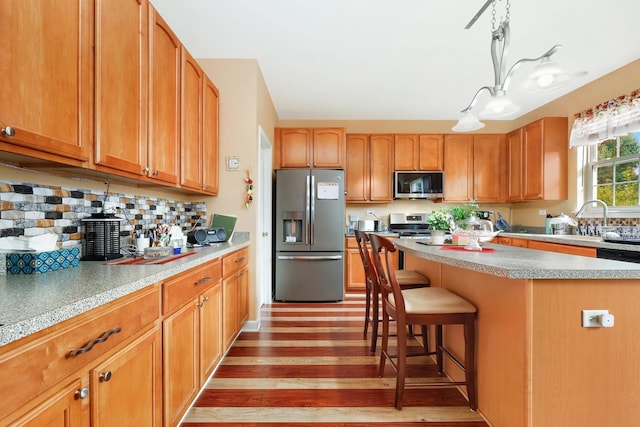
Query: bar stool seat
point(422, 306)
point(411, 279)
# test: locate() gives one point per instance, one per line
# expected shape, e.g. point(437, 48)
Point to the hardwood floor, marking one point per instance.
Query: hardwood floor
point(310, 366)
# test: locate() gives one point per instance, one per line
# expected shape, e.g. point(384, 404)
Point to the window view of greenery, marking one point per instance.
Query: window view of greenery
point(616, 171)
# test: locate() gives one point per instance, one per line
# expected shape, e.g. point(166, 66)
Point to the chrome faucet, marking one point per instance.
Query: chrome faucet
point(605, 210)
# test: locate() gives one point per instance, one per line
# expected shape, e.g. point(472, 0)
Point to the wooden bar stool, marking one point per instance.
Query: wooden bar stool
point(422, 306)
point(406, 278)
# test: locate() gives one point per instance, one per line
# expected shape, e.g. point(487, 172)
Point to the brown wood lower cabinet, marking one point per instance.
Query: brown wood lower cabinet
point(191, 342)
point(547, 246)
point(235, 303)
point(354, 271)
point(163, 343)
point(57, 378)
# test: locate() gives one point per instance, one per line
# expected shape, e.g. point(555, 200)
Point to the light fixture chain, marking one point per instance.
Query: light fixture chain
point(493, 16)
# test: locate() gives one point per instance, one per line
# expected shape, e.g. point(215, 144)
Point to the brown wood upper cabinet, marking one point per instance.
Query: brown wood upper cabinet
point(422, 152)
point(47, 86)
point(121, 84)
point(474, 167)
point(322, 148)
point(537, 160)
point(369, 168)
point(199, 143)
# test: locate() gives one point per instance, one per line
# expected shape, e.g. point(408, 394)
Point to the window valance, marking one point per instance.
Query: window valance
point(616, 117)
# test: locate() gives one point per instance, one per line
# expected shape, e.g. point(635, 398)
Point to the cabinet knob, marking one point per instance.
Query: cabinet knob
point(145, 170)
point(82, 393)
point(155, 172)
point(265, 233)
point(8, 131)
point(105, 376)
point(206, 299)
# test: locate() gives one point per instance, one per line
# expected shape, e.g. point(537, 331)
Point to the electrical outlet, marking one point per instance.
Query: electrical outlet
point(593, 318)
point(542, 212)
point(370, 213)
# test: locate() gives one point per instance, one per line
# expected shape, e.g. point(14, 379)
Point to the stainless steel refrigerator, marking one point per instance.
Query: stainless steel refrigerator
point(309, 235)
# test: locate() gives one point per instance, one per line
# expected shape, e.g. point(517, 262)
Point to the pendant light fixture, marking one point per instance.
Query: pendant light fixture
point(545, 77)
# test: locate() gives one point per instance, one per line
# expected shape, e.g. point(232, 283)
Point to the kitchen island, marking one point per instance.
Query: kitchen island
point(536, 364)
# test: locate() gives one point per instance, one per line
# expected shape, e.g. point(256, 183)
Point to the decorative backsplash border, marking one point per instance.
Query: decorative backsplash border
point(34, 209)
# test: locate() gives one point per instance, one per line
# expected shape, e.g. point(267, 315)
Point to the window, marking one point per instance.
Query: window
point(615, 171)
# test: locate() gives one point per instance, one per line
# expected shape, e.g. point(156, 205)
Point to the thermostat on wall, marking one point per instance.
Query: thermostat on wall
point(233, 163)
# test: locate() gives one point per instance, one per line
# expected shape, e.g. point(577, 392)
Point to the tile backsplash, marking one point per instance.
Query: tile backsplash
point(33, 209)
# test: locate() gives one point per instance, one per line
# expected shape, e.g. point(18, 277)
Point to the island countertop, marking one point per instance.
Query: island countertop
point(31, 303)
point(521, 263)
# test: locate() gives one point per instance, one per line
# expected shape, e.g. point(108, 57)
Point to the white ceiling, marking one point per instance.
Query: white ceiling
point(401, 59)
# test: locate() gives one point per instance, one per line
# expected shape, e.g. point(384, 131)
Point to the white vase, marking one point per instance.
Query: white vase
point(437, 237)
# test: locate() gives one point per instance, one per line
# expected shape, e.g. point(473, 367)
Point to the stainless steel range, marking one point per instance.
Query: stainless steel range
point(409, 225)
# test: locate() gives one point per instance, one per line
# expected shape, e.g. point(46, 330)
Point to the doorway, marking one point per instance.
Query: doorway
point(264, 240)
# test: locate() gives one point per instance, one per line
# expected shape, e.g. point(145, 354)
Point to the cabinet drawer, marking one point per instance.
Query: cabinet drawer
point(234, 261)
point(351, 243)
point(29, 369)
point(188, 285)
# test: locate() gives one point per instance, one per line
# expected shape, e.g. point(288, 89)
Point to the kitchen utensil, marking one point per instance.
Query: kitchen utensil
point(502, 224)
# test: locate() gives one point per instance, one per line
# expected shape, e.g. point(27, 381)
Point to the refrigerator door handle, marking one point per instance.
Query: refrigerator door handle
point(307, 213)
point(310, 257)
point(313, 209)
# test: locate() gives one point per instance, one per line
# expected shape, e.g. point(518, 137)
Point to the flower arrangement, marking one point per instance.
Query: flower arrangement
point(440, 219)
point(445, 219)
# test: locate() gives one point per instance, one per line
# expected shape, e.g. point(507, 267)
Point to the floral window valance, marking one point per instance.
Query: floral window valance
point(616, 117)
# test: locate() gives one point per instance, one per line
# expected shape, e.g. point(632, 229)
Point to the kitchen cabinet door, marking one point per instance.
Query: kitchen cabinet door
point(230, 310)
point(514, 165)
point(407, 152)
point(458, 167)
point(295, 147)
point(164, 101)
point(46, 75)
point(489, 153)
point(121, 84)
point(63, 408)
point(128, 385)
point(328, 148)
point(545, 156)
point(191, 132)
point(381, 161)
point(431, 152)
point(357, 168)
point(180, 361)
point(210, 331)
point(210, 145)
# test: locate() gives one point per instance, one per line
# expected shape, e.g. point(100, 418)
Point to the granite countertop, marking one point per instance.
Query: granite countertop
point(521, 263)
point(33, 302)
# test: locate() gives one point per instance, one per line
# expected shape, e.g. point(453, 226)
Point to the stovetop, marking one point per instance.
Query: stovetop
point(409, 225)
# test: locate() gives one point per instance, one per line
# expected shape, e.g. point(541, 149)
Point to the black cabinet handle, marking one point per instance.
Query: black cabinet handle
point(100, 339)
point(203, 280)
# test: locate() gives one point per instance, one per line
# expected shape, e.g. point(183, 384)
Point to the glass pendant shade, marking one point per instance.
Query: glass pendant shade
point(468, 123)
point(499, 106)
point(547, 75)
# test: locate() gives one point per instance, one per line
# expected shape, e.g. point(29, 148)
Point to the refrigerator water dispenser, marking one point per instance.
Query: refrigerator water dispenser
point(292, 226)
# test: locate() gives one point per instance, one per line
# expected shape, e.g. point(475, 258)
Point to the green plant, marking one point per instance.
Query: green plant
point(459, 213)
point(444, 219)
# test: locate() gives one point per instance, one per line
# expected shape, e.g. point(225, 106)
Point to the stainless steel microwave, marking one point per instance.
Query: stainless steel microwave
point(418, 185)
